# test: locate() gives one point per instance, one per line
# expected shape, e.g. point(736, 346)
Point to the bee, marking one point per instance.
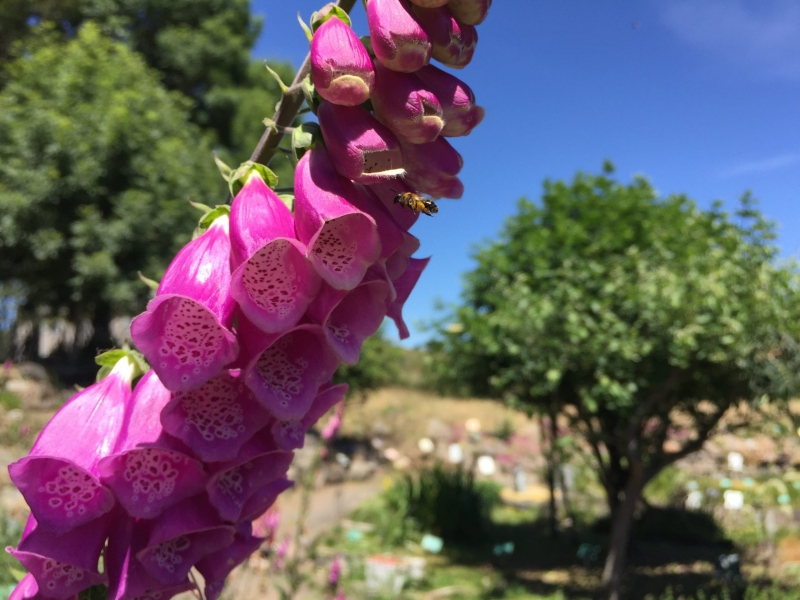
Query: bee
point(416, 203)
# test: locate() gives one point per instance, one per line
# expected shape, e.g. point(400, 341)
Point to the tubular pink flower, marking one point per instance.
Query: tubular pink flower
point(359, 146)
point(127, 577)
point(469, 12)
point(62, 564)
point(272, 280)
point(28, 589)
point(149, 470)
point(398, 40)
point(235, 482)
point(397, 263)
point(392, 236)
point(180, 537)
point(349, 318)
point(217, 566)
point(266, 525)
point(432, 168)
point(386, 191)
point(264, 498)
point(335, 572)
point(59, 478)
point(185, 332)
point(341, 68)
point(461, 114)
point(334, 423)
point(453, 42)
point(404, 285)
point(402, 103)
point(215, 419)
point(290, 435)
point(429, 3)
point(285, 371)
point(342, 241)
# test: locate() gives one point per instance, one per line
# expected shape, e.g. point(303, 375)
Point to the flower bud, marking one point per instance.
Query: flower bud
point(185, 332)
point(59, 479)
point(341, 68)
point(342, 241)
point(402, 103)
point(453, 43)
point(461, 115)
point(272, 279)
point(469, 12)
point(432, 168)
point(360, 147)
point(398, 40)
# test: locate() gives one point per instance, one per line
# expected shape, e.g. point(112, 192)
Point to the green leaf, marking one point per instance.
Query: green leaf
point(288, 200)
point(304, 137)
point(108, 360)
point(306, 30)
point(242, 173)
point(151, 283)
point(224, 169)
point(223, 210)
point(327, 13)
point(277, 78)
point(310, 93)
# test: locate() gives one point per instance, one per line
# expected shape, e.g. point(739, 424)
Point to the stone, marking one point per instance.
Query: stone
point(361, 470)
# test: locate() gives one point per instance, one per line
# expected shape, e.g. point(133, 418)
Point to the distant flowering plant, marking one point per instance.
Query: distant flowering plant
point(173, 459)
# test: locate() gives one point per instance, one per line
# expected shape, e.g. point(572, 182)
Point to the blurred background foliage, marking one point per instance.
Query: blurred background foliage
point(110, 113)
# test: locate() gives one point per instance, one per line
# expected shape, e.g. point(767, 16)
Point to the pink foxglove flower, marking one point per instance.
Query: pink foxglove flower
point(266, 526)
point(402, 103)
point(335, 572)
point(290, 435)
point(349, 318)
point(281, 553)
point(215, 419)
point(461, 114)
point(432, 168)
point(404, 284)
point(28, 589)
point(180, 537)
point(217, 566)
point(429, 3)
point(342, 241)
point(334, 424)
point(149, 470)
point(59, 478)
point(386, 192)
point(398, 40)
point(469, 12)
point(286, 370)
point(185, 333)
point(127, 575)
point(359, 146)
point(453, 42)
point(63, 564)
point(397, 263)
point(272, 279)
point(341, 68)
point(235, 482)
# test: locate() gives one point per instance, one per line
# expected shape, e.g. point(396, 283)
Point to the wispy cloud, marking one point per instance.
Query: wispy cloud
point(760, 34)
point(763, 166)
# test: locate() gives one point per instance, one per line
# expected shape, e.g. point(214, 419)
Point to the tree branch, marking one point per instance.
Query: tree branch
point(288, 107)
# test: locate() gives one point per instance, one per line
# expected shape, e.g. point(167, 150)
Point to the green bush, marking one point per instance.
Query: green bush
point(445, 501)
point(754, 591)
point(9, 400)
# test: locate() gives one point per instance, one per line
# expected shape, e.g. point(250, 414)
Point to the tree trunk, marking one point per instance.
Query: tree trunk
point(552, 467)
point(621, 525)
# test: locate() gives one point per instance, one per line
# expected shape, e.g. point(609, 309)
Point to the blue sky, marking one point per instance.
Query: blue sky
point(701, 96)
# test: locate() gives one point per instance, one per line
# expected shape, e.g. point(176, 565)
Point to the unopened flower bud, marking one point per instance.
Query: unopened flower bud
point(432, 168)
point(453, 42)
point(398, 40)
point(405, 106)
point(429, 3)
point(461, 114)
point(469, 12)
point(360, 147)
point(341, 67)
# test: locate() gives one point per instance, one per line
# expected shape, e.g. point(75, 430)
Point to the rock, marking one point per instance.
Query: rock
point(380, 429)
point(361, 470)
point(28, 391)
point(439, 431)
point(333, 473)
point(33, 371)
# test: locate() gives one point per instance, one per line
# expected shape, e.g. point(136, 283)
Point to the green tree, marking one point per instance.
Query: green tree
point(624, 312)
point(97, 162)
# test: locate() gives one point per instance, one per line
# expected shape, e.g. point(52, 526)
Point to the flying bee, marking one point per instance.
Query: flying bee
point(416, 202)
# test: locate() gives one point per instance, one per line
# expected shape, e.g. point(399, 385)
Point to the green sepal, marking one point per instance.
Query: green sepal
point(313, 99)
point(223, 210)
point(276, 77)
point(203, 208)
point(151, 283)
point(224, 169)
point(288, 200)
point(306, 30)
point(107, 360)
point(304, 137)
point(321, 16)
point(240, 176)
point(366, 41)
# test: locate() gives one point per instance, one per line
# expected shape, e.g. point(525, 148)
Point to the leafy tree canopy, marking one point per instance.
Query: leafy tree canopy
point(634, 316)
point(97, 162)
